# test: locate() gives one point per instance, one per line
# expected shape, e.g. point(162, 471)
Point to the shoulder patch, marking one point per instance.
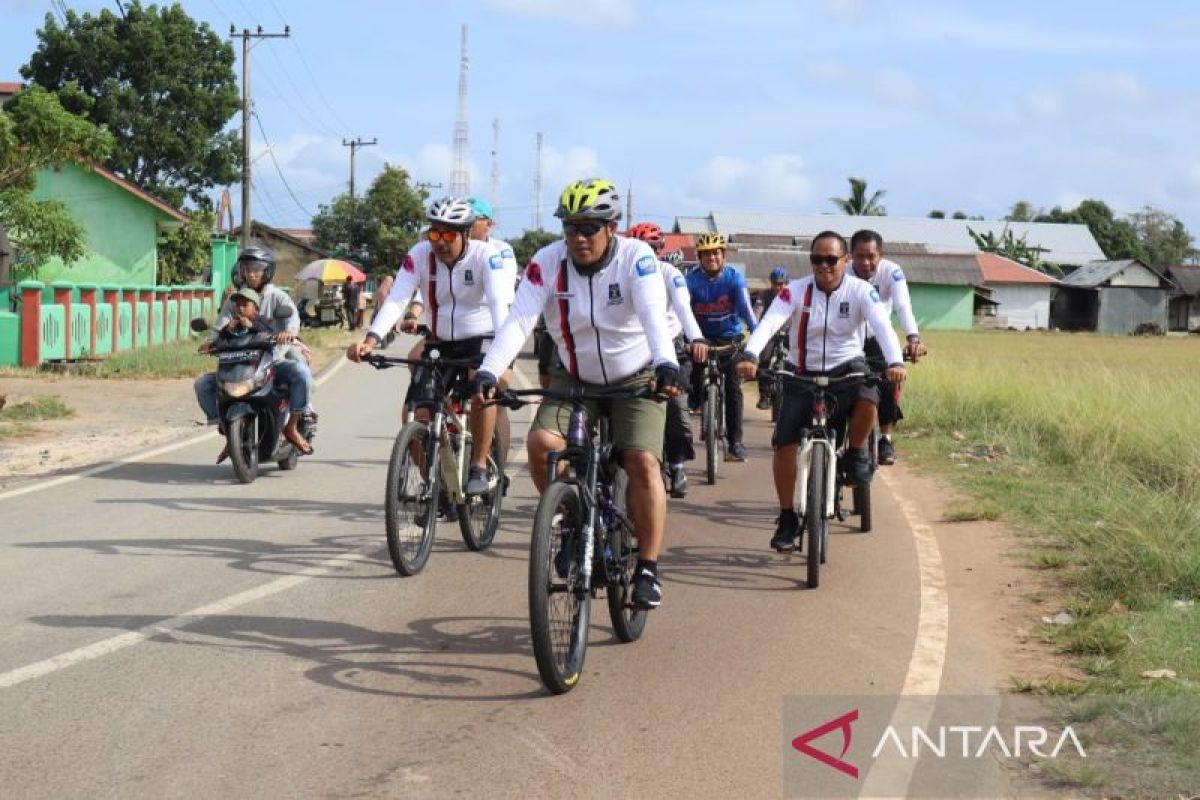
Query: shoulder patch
point(646, 265)
point(495, 261)
point(874, 296)
point(533, 273)
point(897, 275)
point(408, 265)
point(507, 252)
point(785, 294)
point(679, 281)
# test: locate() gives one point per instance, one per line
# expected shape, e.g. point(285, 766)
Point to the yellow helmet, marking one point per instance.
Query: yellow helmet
point(593, 198)
point(709, 241)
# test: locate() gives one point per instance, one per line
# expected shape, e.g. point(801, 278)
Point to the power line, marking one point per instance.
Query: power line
point(274, 161)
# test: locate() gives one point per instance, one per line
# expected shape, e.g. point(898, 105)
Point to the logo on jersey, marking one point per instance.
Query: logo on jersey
point(785, 294)
point(844, 310)
point(897, 275)
point(507, 253)
point(468, 277)
point(646, 265)
point(533, 274)
point(409, 266)
point(874, 296)
point(679, 282)
point(496, 262)
point(614, 294)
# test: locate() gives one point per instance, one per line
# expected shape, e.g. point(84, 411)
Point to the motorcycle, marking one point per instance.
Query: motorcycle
point(253, 407)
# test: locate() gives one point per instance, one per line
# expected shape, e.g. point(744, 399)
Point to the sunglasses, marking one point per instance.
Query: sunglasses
point(435, 235)
point(824, 261)
point(588, 229)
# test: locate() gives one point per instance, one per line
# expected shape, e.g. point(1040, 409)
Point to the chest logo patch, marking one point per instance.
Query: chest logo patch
point(614, 294)
point(844, 310)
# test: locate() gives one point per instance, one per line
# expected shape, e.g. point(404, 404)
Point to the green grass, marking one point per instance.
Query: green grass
point(15, 419)
point(1102, 476)
point(173, 360)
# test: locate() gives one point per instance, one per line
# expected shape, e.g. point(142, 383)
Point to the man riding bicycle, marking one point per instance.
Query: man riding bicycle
point(762, 301)
point(866, 250)
point(689, 346)
point(603, 300)
point(469, 292)
point(721, 304)
point(826, 313)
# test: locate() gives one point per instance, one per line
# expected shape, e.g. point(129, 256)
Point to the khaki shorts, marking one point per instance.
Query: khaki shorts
point(636, 423)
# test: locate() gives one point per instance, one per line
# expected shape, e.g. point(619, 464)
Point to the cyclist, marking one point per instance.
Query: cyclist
point(762, 301)
point(826, 314)
point(866, 251)
point(603, 300)
point(721, 304)
point(469, 291)
point(255, 269)
point(689, 346)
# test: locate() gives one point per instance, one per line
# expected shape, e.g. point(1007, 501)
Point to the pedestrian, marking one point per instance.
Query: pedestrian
point(350, 302)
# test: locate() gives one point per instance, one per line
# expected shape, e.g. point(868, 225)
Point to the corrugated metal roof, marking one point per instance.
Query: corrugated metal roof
point(1186, 277)
point(998, 269)
point(1098, 272)
point(1062, 244)
point(946, 269)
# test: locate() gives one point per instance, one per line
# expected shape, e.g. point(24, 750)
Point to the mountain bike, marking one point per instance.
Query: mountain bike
point(819, 482)
point(430, 463)
point(712, 410)
point(583, 541)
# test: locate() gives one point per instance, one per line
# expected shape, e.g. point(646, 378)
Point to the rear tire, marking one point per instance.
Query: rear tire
point(479, 517)
point(559, 608)
point(242, 440)
point(814, 515)
point(711, 433)
point(411, 492)
point(628, 623)
point(862, 506)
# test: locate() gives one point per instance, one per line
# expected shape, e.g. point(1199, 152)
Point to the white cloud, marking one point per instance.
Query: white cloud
point(1114, 86)
point(586, 13)
point(1044, 102)
point(888, 85)
point(774, 181)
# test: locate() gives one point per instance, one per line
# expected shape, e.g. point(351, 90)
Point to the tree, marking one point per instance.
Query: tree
point(529, 242)
point(1016, 248)
point(186, 253)
point(936, 214)
point(1165, 240)
point(160, 82)
point(1022, 211)
point(378, 228)
point(858, 204)
point(1117, 237)
point(37, 132)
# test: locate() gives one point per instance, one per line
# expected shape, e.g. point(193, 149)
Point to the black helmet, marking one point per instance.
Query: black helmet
point(262, 257)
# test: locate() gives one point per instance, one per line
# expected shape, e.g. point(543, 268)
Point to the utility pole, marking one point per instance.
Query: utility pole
point(247, 35)
point(354, 144)
point(422, 185)
point(629, 207)
point(460, 178)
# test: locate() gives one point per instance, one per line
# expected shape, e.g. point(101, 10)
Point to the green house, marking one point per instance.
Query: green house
point(123, 223)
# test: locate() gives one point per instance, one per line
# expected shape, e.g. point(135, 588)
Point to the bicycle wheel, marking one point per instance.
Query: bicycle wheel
point(628, 622)
point(712, 402)
point(814, 515)
point(559, 607)
point(412, 496)
point(479, 516)
point(242, 441)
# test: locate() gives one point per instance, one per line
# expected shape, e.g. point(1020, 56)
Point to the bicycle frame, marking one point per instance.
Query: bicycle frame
point(820, 435)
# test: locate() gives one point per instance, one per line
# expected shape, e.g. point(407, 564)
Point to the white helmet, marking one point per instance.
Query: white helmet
point(453, 211)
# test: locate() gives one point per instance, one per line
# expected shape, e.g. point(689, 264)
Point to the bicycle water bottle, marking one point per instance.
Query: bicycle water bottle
point(577, 429)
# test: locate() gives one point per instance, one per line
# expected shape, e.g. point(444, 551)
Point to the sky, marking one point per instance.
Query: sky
point(700, 106)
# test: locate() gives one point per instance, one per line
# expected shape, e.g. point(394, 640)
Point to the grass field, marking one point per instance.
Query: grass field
point(1100, 467)
point(15, 419)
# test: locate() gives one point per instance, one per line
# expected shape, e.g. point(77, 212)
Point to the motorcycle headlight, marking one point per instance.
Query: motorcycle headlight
point(237, 388)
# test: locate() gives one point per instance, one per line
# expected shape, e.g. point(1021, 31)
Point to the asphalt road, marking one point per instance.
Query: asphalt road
point(168, 632)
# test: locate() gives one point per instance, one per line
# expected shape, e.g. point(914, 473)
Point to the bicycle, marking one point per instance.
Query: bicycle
point(582, 541)
point(712, 414)
point(779, 352)
point(819, 482)
point(415, 491)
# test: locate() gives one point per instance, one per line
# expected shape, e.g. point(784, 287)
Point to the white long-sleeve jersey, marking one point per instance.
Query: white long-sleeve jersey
point(469, 299)
point(607, 326)
point(889, 281)
point(679, 304)
point(826, 330)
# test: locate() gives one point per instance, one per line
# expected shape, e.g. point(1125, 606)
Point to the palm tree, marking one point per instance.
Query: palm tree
point(857, 204)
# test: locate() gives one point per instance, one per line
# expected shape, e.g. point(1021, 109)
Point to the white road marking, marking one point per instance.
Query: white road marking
point(890, 777)
point(158, 451)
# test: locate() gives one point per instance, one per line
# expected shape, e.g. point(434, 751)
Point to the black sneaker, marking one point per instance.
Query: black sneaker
point(856, 465)
point(679, 481)
point(647, 591)
point(737, 452)
point(477, 481)
point(565, 556)
point(887, 453)
point(763, 404)
point(787, 528)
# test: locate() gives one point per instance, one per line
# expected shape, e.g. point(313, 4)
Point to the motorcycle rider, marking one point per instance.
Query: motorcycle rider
point(255, 269)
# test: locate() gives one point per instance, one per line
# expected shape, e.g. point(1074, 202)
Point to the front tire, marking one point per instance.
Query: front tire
point(411, 504)
point(479, 517)
point(628, 622)
point(711, 434)
point(814, 515)
point(559, 607)
point(242, 440)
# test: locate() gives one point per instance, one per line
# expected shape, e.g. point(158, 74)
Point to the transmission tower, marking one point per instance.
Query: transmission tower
point(460, 179)
point(495, 158)
point(537, 187)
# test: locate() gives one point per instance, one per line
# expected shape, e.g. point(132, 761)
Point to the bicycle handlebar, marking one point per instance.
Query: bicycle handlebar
point(387, 362)
point(511, 398)
point(820, 380)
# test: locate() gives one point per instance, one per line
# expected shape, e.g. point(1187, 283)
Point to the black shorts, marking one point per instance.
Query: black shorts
point(889, 393)
point(547, 351)
point(795, 412)
point(421, 391)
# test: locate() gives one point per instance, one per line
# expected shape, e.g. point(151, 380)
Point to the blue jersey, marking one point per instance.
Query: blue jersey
point(721, 304)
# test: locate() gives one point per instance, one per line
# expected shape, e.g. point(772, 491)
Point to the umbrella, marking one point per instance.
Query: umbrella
point(331, 270)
